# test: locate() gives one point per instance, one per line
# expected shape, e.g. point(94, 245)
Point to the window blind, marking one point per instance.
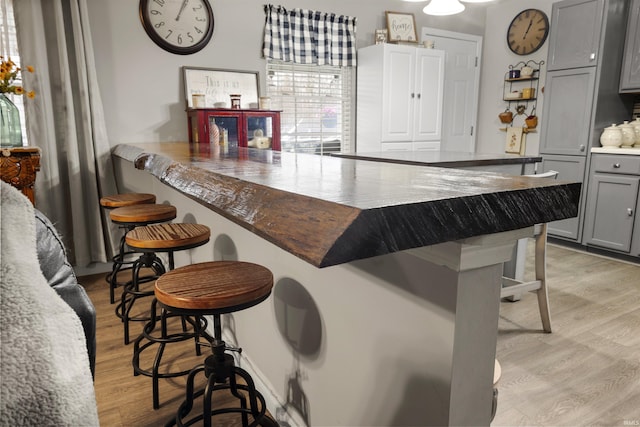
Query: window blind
point(316, 106)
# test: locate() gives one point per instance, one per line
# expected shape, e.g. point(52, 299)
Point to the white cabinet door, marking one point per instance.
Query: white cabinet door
point(429, 80)
point(398, 93)
point(400, 96)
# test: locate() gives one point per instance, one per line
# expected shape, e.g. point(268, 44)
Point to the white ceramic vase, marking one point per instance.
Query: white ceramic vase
point(628, 134)
point(611, 136)
point(636, 128)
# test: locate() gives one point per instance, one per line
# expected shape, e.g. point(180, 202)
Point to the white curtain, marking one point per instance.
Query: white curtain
point(66, 121)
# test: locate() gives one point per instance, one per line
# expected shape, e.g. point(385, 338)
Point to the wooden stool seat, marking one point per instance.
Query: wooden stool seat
point(143, 214)
point(128, 211)
point(167, 236)
point(126, 199)
point(149, 240)
point(217, 286)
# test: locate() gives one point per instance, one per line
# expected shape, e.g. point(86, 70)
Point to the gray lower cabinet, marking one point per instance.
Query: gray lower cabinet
point(630, 75)
point(569, 168)
point(611, 212)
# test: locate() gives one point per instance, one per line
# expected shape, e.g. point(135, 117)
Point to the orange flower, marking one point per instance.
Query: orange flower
point(9, 74)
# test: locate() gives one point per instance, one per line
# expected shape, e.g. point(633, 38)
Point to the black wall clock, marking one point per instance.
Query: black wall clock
point(528, 31)
point(178, 26)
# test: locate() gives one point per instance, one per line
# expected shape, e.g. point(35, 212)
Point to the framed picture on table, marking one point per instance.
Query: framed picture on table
point(401, 27)
point(218, 86)
point(381, 36)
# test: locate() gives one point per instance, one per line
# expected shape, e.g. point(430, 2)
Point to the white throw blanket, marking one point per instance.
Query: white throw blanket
point(44, 367)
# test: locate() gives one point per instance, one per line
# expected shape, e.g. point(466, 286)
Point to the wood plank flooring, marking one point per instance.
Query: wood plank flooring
point(587, 372)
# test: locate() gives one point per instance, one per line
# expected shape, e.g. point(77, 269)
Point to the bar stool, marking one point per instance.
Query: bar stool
point(149, 240)
point(212, 289)
point(119, 262)
point(133, 216)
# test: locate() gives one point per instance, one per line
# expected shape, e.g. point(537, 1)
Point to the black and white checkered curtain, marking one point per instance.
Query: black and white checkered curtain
point(309, 37)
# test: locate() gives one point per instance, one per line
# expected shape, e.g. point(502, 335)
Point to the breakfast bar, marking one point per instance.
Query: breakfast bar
point(387, 276)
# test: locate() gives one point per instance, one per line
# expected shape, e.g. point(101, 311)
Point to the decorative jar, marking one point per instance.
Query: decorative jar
point(628, 134)
point(10, 130)
point(611, 136)
point(636, 129)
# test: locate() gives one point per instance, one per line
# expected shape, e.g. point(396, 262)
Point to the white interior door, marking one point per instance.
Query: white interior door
point(461, 87)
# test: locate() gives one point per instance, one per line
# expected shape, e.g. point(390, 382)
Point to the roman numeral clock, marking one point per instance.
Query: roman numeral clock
point(178, 26)
point(527, 31)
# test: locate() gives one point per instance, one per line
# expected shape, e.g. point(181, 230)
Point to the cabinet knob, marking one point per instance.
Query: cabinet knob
point(616, 165)
point(418, 96)
point(629, 211)
point(413, 95)
point(582, 147)
point(592, 57)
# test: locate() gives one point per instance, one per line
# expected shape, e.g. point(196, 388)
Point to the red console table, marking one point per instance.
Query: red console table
point(238, 128)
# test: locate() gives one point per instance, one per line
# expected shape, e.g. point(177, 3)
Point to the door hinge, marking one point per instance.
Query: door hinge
point(476, 61)
point(472, 130)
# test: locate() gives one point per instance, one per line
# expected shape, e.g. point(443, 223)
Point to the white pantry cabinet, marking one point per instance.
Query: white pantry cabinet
point(400, 91)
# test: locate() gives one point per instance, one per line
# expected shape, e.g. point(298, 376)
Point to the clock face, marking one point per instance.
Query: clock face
point(528, 31)
point(178, 26)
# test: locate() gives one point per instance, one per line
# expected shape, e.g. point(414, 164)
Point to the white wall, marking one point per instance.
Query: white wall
point(141, 84)
point(495, 63)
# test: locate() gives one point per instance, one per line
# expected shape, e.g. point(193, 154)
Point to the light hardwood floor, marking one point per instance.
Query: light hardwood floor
point(587, 372)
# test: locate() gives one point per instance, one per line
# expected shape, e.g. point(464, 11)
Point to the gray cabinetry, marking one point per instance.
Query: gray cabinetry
point(630, 77)
point(569, 168)
point(612, 203)
point(581, 91)
point(568, 102)
point(574, 40)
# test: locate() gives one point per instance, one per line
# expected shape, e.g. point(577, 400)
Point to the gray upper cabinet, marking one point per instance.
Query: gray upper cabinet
point(574, 39)
point(569, 96)
point(630, 75)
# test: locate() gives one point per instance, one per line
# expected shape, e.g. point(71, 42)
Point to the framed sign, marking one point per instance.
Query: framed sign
point(401, 27)
point(217, 86)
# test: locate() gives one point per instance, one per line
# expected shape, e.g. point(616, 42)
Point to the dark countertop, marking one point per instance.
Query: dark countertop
point(328, 210)
point(445, 159)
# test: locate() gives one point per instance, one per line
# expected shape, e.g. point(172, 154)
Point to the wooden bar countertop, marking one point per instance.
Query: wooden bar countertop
point(445, 159)
point(329, 210)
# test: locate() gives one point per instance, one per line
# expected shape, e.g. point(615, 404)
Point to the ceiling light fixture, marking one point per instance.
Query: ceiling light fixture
point(443, 7)
point(472, 1)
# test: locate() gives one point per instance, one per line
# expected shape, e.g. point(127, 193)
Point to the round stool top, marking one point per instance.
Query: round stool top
point(127, 199)
point(168, 236)
point(143, 214)
point(217, 286)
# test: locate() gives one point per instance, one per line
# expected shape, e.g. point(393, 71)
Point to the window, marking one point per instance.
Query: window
point(9, 49)
point(315, 101)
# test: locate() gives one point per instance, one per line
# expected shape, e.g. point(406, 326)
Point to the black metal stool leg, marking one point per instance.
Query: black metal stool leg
point(132, 291)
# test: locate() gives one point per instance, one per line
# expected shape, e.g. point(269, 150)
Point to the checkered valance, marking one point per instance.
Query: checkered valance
point(309, 37)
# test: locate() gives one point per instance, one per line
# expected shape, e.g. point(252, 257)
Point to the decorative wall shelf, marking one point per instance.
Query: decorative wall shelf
point(526, 89)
